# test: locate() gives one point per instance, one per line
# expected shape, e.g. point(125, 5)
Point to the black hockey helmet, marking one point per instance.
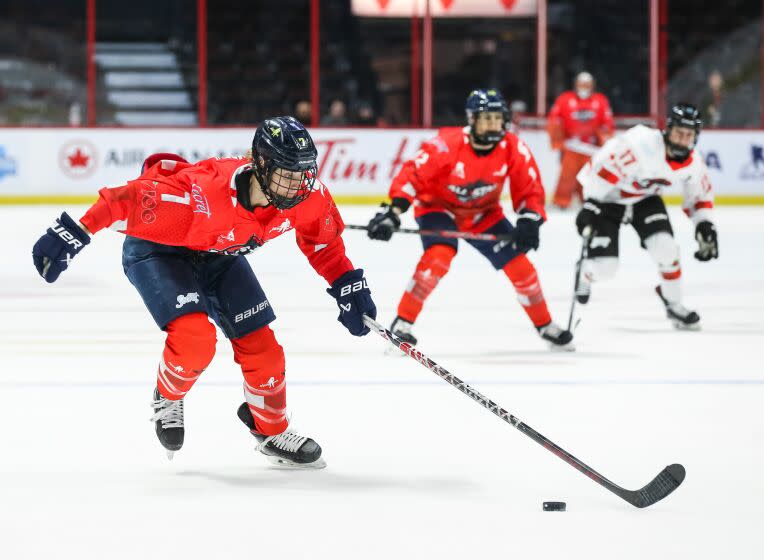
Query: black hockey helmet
point(686, 116)
point(281, 149)
point(482, 101)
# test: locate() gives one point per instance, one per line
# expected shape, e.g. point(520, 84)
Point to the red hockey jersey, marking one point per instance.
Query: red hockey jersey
point(195, 206)
point(448, 175)
point(588, 120)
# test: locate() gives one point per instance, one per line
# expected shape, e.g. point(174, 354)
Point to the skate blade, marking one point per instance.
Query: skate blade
point(170, 454)
point(285, 464)
point(570, 347)
point(678, 325)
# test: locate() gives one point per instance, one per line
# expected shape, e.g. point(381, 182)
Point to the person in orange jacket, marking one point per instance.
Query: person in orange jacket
point(579, 122)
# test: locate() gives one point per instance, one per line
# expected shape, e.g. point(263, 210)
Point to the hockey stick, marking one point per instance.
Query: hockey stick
point(449, 234)
point(661, 486)
point(579, 263)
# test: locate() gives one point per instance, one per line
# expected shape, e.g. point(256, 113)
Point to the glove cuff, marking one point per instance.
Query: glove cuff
point(348, 277)
point(389, 213)
point(531, 215)
point(74, 228)
point(403, 204)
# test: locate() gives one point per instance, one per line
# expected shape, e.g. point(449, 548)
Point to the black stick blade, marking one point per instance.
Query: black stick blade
point(661, 486)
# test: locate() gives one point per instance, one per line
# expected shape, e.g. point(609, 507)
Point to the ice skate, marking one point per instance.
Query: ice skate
point(402, 329)
point(168, 418)
point(682, 318)
point(287, 449)
point(557, 337)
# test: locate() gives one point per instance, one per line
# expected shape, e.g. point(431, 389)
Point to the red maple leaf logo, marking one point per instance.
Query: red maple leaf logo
point(508, 4)
point(447, 4)
point(78, 159)
point(383, 4)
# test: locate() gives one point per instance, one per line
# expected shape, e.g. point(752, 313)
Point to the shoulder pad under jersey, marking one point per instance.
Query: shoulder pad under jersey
point(646, 142)
point(449, 139)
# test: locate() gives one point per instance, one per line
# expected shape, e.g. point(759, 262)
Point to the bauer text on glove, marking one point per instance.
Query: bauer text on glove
point(58, 246)
point(354, 300)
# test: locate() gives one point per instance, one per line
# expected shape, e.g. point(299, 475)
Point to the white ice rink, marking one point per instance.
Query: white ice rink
point(415, 469)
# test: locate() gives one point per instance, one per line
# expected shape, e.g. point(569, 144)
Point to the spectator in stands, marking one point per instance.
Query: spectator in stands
point(337, 114)
point(75, 114)
point(365, 116)
point(517, 109)
point(713, 109)
point(303, 112)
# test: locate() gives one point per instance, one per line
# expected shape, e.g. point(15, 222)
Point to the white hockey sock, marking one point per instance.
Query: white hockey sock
point(671, 290)
point(599, 268)
point(665, 253)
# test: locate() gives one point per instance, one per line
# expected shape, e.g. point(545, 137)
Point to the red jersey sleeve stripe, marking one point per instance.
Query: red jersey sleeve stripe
point(704, 204)
point(608, 176)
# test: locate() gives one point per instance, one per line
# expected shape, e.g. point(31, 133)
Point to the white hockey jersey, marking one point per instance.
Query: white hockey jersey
point(633, 166)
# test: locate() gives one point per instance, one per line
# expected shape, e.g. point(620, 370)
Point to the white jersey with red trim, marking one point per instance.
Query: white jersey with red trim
point(633, 166)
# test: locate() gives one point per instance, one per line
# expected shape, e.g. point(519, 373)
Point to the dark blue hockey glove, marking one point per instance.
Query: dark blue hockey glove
point(527, 230)
point(54, 251)
point(354, 300)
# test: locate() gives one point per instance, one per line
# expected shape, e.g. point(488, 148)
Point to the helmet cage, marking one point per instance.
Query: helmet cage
point(284, 161)
point(280, 184)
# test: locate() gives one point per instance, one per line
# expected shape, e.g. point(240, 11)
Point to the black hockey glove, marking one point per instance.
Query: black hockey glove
point(708, 246)
point(384, 223)
point(587, 217)
point(354, 300)
point(54, 251)
point(527, 230)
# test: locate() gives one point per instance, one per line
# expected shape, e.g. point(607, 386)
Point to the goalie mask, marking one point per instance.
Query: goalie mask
point(484, 101)
point(681, 115)
point(284, 161)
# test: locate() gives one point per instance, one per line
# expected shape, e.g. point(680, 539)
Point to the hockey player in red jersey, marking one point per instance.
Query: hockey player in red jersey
point(578, 122)
point(623, 184)
point(187, 228)
point(454, 183)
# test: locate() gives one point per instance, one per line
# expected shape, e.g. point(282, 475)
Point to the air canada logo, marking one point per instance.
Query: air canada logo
point(755, 168)
point(78, 159)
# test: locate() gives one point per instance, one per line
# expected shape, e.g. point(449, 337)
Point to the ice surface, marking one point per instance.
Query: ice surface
point(415, 469)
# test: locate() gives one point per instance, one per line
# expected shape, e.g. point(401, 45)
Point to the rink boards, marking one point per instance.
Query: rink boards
point(45, 165)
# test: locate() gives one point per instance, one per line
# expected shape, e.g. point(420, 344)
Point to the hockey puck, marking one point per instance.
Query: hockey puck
point(554, 506)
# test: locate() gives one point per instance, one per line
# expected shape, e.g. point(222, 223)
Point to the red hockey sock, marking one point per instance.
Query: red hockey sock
point(523, 276)
point(188, 350)
point(262, 362)
point(433, 266)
